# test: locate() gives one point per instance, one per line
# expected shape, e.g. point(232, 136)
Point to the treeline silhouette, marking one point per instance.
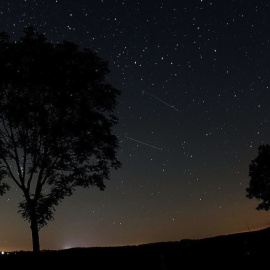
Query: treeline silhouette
point(244, 250)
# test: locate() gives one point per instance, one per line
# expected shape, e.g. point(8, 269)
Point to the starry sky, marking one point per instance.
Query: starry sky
point(194, 77)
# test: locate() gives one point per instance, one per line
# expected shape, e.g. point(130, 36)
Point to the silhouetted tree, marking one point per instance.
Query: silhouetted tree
point(56, 121)
point(259, 171)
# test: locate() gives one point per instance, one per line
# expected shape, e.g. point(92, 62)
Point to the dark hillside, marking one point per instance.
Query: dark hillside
point(246, 250)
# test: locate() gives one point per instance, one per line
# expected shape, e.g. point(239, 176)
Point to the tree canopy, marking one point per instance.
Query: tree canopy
point(259, 172)
point(56, 122)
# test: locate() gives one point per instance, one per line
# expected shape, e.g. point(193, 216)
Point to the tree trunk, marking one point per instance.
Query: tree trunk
point(35, 235)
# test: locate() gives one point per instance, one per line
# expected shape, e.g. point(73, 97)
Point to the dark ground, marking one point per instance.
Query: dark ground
point(243, 251)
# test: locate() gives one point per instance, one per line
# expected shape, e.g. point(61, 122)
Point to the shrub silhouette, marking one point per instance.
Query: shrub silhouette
point(259, 172)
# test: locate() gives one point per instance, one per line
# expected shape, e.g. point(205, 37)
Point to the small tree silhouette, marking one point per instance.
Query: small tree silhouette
point(259, 171)
point(56, 120)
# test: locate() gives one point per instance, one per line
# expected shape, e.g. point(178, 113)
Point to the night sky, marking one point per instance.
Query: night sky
point(194, 77)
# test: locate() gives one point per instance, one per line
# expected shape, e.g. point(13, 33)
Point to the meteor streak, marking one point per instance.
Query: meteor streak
point(144, 143)
point(171, 106)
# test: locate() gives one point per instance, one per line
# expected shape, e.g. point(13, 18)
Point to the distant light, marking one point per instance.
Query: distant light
point(2, 252)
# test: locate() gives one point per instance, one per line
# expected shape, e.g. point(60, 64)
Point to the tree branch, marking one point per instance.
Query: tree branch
point(12, 175)
point(34, 165)
point(42, 169)
point(48, 171)
point(16, 155)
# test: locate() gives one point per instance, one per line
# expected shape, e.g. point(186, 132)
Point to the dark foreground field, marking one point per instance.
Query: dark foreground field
point(245, 251)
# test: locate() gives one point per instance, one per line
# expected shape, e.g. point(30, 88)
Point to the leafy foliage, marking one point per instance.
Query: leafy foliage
point(259, 171)
point(56, 121)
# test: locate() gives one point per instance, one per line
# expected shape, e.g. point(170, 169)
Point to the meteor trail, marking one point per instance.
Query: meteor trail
point(144, 143)
point(171, 106)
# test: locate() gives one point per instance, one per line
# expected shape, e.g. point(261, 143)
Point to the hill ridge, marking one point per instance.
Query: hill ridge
point(246, 249)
